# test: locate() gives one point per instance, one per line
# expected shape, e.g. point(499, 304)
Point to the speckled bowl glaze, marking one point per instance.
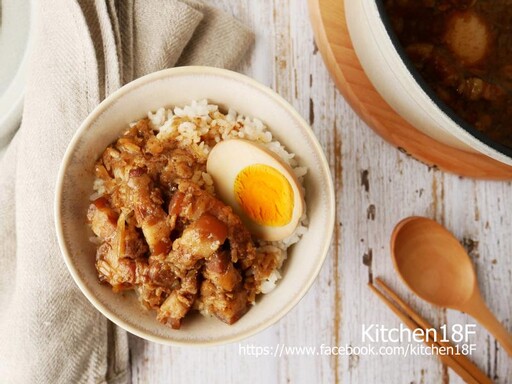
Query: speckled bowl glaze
point(179, 86)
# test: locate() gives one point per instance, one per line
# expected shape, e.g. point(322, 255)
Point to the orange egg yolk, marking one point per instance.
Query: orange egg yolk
point(265, 195)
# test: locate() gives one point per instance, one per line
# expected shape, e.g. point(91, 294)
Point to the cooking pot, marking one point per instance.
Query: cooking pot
point(395, 78)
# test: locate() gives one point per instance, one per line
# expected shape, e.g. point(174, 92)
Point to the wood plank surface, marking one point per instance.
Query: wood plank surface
point(376, 186)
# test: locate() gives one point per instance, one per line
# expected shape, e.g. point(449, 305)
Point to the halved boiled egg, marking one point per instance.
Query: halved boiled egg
point(260, 187)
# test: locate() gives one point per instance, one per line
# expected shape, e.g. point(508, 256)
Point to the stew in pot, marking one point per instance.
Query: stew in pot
point(463, 50)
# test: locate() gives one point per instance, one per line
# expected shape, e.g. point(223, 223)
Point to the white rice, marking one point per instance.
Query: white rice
point(190, 123)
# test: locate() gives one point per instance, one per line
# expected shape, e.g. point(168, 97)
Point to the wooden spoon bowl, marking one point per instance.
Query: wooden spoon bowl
point(432, 262)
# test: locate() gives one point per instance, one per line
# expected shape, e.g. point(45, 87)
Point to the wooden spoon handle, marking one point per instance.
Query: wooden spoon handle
point(479, 310)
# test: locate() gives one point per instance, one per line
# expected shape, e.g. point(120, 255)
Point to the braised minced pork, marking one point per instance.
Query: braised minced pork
point(163, 234)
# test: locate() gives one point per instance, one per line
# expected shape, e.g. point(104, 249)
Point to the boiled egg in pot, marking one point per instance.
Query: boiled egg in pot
point(260, 187)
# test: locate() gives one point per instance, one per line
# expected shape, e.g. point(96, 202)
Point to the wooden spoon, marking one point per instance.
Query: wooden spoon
point(435, 266)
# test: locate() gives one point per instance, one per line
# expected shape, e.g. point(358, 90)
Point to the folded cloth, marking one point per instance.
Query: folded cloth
point(83, 50)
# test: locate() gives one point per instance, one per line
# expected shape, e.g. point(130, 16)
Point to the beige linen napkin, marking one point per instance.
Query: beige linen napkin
point(83, 50)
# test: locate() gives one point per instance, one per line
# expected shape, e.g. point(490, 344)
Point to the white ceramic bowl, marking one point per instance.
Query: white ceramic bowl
point(180, 86)
point(16, 30)
point(397, 81)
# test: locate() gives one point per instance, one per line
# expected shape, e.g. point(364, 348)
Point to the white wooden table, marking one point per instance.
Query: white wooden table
point(376, 186)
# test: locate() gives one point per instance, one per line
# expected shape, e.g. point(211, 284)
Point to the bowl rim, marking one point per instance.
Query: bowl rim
point(100, 109)
point(492, 145)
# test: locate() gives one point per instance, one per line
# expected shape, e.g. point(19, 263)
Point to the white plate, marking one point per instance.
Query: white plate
point(15, 22)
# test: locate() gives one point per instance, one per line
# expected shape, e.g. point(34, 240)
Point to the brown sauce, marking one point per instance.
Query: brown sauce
point(463, 50)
